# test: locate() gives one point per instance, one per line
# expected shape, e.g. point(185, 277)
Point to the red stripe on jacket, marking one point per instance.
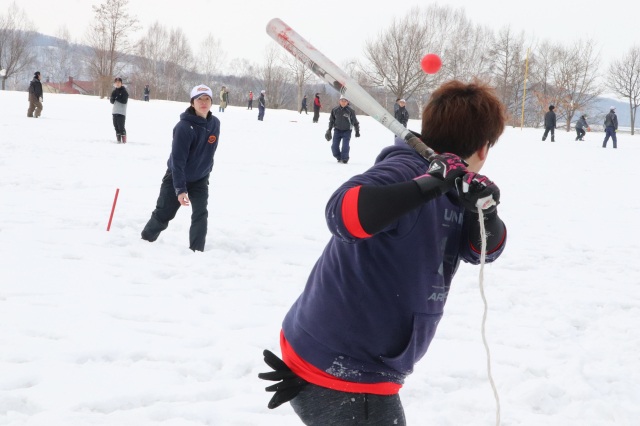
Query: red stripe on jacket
point(350, 215)
point(318, 377)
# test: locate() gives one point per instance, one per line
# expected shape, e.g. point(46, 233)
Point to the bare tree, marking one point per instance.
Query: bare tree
point(624, 79)
point(151, 54)
point(300, 74)
point(108, 37)
point(179, 64)
point(393, 56)
point(16, 42)
point(275, 79)
point(62, 59)
point(210, 57)
point(508, 71)
point(575, 77)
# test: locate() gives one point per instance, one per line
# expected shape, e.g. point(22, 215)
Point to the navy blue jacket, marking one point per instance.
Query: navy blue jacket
point(371, 306)
point(195, 141)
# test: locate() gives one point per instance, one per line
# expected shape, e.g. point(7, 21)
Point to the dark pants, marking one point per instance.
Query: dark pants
point(580, 134)
point(345, 137)
point(303, 108)
point(317, 406)
point(316, 114)
point(146, 98)
point(167, 206)
point(260, 112)
point(35, 108)
point(250, 104)
point(118, 124)
point(610, 132)
point(546, 132)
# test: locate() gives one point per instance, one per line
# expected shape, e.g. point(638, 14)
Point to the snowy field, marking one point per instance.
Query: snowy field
point(103, 328)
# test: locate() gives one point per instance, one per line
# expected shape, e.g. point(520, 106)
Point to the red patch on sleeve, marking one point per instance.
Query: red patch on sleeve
point(350, 216)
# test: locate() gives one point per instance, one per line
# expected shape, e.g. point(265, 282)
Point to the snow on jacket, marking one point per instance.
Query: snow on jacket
point(611, 120)
point(371, 306)
point(119, 98)
point(343, 118)
point(195, 140)
point(550, 120)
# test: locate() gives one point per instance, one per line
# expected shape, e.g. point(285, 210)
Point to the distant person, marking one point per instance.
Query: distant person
point(316, 108)
point(146, 93)
point(549, 123)
point(35, 96)
point(303, 106)
point(224, 98)
point(611, 127)
point(401, 114)
point(343, 119)
point(262, 105)
point(581, 125)
point(250, 103)
point(119, 99)
point(396, 106)
point(186, 181)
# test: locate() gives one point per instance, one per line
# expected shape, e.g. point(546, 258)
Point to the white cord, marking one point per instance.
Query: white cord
point(483, 255)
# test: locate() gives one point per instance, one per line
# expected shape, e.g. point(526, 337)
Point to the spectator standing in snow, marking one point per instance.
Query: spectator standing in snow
point(549, 124)
point(186, 181)
point(261, 105)
point(581, 124)
point(146, 93)
point(119, 98)
point(316, 108)
point(250, 103)
point(224, 98)
point(303, 106)
point(611, 127)
point(35, 96)
point(401, 114)
point(343, 119)
point(396, 106)
point(375, 297)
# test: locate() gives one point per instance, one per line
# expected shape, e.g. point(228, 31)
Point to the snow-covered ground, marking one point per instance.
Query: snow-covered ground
point(103, 328)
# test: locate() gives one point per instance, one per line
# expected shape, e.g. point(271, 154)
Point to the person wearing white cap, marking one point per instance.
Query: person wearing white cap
point(343, 118)
point(610, 127)
point(186, 181)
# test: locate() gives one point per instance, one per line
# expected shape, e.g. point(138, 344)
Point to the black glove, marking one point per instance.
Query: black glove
point(357, 133)
point(477, 191)
point(289, 383)
point(441, 175)
point(327, 135)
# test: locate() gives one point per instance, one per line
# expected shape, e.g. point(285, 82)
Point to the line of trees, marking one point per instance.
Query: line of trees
point(566, 75)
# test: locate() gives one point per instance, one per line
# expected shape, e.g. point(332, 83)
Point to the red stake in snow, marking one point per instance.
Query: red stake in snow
point(113, 209)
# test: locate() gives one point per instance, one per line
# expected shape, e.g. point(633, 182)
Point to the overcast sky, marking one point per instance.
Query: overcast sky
point(340, 28)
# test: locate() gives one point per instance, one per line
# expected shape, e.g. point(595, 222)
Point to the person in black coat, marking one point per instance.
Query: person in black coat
point(146, 93)
point(119, 98)
point(35, 96)
point(549, 123)
point(342, 119)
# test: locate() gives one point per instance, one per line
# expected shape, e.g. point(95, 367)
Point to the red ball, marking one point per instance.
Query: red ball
point(431, 63)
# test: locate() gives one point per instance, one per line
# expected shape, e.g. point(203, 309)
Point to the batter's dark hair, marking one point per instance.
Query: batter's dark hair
point(462, 118)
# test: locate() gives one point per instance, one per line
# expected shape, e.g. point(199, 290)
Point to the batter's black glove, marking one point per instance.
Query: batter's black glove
point(289, 384)
point(478, 192)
